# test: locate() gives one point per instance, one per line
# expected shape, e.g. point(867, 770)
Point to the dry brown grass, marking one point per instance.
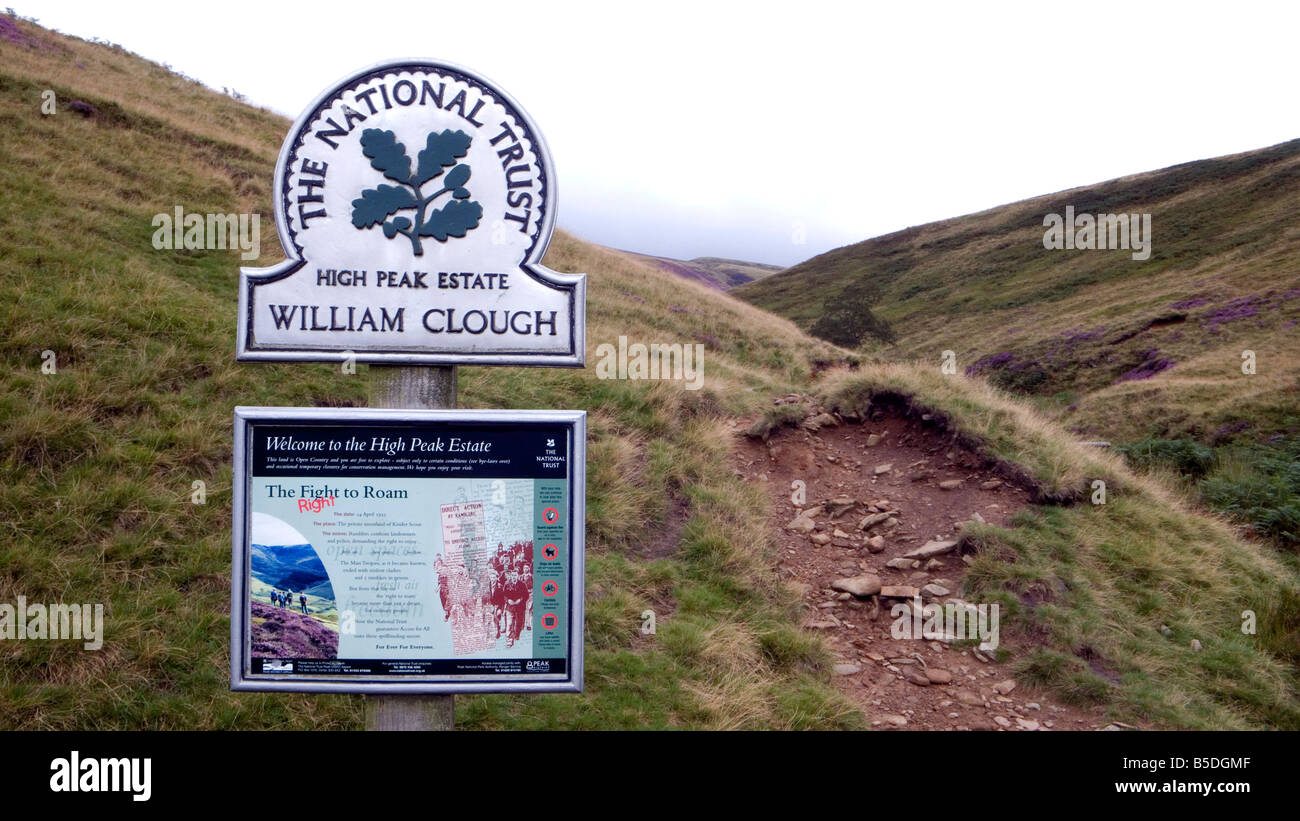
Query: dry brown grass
point(114, 75)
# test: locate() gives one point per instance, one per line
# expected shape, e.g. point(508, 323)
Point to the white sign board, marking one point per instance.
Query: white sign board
point(414, 201)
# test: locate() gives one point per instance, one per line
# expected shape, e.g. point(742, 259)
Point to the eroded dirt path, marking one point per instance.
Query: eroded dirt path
point(875, 491)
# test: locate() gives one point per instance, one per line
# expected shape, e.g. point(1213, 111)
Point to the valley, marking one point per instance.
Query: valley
point(1118, 611)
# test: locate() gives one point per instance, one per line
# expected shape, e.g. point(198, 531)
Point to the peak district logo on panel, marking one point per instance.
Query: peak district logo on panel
point(388, 156)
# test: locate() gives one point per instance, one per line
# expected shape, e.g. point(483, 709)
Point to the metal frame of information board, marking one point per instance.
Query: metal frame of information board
point(241, 678)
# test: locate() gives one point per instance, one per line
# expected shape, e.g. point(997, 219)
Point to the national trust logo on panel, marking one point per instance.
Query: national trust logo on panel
point(414, 201)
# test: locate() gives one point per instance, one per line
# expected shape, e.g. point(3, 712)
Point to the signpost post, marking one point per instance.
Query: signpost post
point(414, 200)
point(431, 387)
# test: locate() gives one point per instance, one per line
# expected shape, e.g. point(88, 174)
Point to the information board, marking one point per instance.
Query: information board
point(407, 551)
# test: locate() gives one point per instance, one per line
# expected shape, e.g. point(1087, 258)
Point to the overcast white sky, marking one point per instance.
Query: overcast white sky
point(270, 531)
point(775, 131)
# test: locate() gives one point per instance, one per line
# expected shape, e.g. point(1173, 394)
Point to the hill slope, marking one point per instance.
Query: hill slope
point(279, 632)
point(716, 272)
point(98, 461)
point(1142, 346)
point(98, 458)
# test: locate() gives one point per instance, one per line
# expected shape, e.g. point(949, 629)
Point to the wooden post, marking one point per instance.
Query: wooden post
point(418, 387)
point(413, 386)
point(411, 712)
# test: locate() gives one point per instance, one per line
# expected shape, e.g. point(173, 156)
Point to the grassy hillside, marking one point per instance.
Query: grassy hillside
point(1149, 353)
point(1135, 336)
point(98, 459)
point(716, 272)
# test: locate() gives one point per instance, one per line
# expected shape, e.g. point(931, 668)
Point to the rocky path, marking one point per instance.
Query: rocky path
point(874, 525)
